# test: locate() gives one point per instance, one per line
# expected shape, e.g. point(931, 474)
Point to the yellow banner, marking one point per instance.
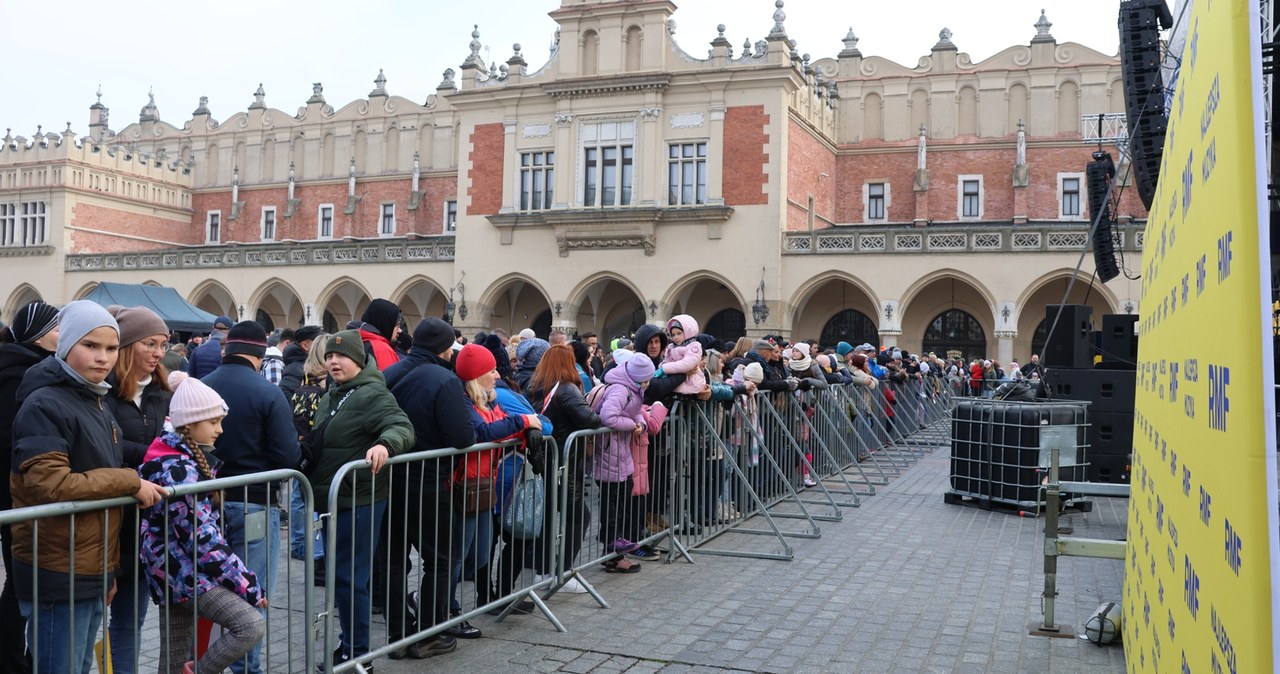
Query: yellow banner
point(1200, 590)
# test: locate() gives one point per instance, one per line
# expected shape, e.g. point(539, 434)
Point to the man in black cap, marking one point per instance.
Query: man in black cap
point(295, 357)
point(206, 357)
point(258, 435)
point(420, 510)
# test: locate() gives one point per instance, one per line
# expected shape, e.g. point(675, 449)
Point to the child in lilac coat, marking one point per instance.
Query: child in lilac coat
point(612, 465)
point(189, 565)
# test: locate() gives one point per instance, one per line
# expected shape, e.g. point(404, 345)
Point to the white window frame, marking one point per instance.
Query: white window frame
point(591, 137)
point(450, 225)
point(383, 229)
point(1082, 196)
point(320, 222)
point(542, 175)
point(9, 232)
point(960, 181)
point(208, 223)
point(676, 185)
point(262, 224)
point(34, 223)
point(866, 200)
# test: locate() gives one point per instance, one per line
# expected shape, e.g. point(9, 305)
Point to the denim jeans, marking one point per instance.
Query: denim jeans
point(300, 520)
point(472, 543)
point(61, 634)
point(353, 559)
point(128, 611)
point(261, 555)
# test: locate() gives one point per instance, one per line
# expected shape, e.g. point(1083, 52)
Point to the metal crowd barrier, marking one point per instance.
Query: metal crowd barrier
point(721, 480)
point(286, 619)
point(469, 562)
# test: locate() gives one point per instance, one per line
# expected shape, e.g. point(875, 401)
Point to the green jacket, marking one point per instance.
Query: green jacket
point(369, 417)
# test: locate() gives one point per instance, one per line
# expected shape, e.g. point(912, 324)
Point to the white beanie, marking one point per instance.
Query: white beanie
point(78, 319)
point(193, 401)
point(753, 372)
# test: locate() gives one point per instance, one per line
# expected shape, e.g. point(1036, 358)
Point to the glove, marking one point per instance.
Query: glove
point(803, 385)
point(659, 374)
point(792, 383)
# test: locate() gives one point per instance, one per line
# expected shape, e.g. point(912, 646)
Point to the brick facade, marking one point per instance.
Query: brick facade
point(811, 172)
point(485, 178)
point(138, 227)
point(746, 154)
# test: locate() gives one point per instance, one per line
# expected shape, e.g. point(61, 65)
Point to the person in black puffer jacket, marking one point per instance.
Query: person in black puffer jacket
point(32, 338)
point(139, 400)
point(295, 358)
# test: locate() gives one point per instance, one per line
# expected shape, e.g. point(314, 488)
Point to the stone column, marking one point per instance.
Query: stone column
point(1004, 346)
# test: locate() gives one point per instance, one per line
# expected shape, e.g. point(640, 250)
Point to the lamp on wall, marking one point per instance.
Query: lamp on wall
point(888, 311)
point(1006, 312)
point(653, 309)
point(450, 307)
point(760, 310)
point(1128, 307)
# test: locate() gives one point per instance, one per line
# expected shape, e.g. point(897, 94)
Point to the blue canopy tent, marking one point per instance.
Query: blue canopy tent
point(177, 313)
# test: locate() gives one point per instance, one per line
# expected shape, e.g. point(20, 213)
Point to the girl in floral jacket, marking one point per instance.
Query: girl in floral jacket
point(189, 565)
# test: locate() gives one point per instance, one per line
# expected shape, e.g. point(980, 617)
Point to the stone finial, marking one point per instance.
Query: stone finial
point(149, 111)
point(203, 109)
point(850, 45)
point(317, 93)
point(99, 94)
point(473, 59)
point(447, 82)
point(379, 85)
point(720, 31)
point(259, 99)
point(779, 18)
point(493, 69)
point(921, 149)
point(944, 40)
point(1042, 29)
point(1021, 158)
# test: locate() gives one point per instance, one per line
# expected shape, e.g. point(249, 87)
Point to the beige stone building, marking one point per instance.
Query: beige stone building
point(937, 206)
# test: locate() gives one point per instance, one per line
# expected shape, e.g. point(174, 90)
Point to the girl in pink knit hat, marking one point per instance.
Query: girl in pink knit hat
point(189, 565)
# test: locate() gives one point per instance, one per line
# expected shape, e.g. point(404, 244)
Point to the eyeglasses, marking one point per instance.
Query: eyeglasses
point(152, 345)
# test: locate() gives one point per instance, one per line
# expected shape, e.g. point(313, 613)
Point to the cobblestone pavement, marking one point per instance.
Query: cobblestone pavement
point(904, 583)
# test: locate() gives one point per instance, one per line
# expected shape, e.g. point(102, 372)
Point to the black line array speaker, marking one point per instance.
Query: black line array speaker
point(1108, 390)
point(1099, 175)
point(1140, 22)
point(1119, 341)
point(1105, 468)
point(1110, 434)
point(1067, 344)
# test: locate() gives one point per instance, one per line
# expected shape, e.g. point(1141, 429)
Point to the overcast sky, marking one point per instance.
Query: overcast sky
point(55, 58)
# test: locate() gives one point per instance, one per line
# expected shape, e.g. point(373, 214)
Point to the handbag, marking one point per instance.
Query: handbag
point(475, 495)
point(522, 510)
point(312, 444)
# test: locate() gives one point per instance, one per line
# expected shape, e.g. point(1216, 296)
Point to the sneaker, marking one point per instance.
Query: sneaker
point(643, 553)
point(808, 481)
point(429, 648)
point(340, 656)
point(620, 545)
point(573, 586)
point(411, 601)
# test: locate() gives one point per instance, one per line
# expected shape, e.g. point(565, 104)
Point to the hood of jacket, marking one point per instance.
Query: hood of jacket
point(369, 374)
point(294, 354)
point(20, 357)
point(647, 332)
point(47, 372)
point(687, 324)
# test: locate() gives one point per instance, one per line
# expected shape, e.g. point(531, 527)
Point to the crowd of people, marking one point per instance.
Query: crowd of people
point(107, 402)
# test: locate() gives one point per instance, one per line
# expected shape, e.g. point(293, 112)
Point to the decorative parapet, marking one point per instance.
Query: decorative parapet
point(607, 86)
point(967, 238)
point(597, 228)
point(431, 249)
point(25, 251)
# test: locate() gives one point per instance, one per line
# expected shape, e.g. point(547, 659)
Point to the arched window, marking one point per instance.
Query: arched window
point(955, 334)
point(728, 324)
point(850, 326)
point(590, 48)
